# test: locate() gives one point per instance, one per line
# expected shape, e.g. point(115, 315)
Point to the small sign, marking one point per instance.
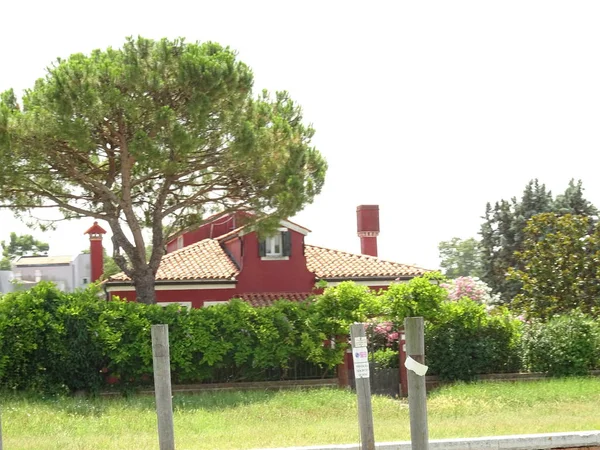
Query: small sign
point(360, 355)
point(360, 341)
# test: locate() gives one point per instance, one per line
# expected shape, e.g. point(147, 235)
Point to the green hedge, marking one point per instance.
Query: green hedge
point(565, 345)
point(52, 341)
point(464, 341)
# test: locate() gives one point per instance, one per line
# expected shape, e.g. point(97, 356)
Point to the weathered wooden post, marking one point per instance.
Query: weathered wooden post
point(363, 385)
point(162, 386)
point(417, 394)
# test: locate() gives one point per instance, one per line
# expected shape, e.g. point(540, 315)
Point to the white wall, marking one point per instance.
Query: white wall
point(5, 284)
point(82, 270)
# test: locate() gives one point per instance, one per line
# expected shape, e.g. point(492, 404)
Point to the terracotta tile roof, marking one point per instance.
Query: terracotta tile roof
point(268, 298)
point(326, 263)
point(204, 260)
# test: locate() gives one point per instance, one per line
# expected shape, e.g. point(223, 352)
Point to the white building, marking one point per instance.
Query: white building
point(67, 272)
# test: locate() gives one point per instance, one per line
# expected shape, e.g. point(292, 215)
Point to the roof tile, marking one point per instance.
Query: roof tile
point(326, 263)
point(204, 260)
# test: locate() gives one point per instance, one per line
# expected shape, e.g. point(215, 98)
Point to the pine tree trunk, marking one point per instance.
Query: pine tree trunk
point(144, 287)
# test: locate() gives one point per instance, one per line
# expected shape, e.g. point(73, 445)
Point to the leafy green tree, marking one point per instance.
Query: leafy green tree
point(502, 232)
point(20, 245)
point(460, 258)
point(560, 264)
point(154, 134)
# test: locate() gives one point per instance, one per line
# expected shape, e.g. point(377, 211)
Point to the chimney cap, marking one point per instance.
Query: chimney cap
point(360, 207)
point(95, 229)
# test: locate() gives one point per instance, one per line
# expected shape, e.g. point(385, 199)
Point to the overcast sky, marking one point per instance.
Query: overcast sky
point(429, 108)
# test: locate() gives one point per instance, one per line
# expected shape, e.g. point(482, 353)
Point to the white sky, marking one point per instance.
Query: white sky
point(429, 109)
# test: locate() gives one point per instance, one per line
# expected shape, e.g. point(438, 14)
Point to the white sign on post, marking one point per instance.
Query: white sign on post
point(360, 341)
point(360, 356)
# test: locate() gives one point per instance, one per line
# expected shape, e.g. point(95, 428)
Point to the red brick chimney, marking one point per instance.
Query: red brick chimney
point(367, 225)
point(96, 252)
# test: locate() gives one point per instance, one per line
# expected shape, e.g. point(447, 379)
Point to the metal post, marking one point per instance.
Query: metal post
point(363, 386)
point(417, 394)
point(162, 386)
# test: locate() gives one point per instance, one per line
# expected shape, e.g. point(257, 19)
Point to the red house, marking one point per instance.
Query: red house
point(224, 259)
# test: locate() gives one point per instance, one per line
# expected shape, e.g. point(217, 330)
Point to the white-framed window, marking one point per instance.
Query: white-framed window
point(274, 245)
point(277, 246)
point(179, 242)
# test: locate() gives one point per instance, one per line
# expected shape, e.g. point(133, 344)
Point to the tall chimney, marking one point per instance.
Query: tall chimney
point(96, 252)
point(367, 226)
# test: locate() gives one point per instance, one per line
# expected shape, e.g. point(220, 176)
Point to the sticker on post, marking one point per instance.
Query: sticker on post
point(360, 356)
point(416, 367)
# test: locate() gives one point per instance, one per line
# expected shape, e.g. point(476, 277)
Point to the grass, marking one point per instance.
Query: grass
point(243, 420)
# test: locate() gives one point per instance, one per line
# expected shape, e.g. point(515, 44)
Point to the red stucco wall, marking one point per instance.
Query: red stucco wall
point(274, 275)
point(234, 248)
point(211, 229)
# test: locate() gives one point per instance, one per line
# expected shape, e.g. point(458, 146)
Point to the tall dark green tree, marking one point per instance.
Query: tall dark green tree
point(19, 245)
point(154, 134)
point(460, 258)
point(503, 230)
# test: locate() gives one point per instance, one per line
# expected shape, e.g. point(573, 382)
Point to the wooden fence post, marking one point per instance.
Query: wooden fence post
point(162, 386)
point(363, 385)
point(417, 394)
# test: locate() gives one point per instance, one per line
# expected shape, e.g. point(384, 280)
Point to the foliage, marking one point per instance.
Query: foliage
point(460, 258)
point(565, 345)
point(502, 233)
point(421, 296)
point(385, 358)
point(342, 305)
point(381, 335)
point(560, 264)
point(20, 245)
point(40, 329)
point(154, 133)
point(465, 341)
point(471, 288)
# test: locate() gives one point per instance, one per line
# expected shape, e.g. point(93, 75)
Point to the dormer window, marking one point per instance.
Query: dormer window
point(278, 246)
point(274, 245)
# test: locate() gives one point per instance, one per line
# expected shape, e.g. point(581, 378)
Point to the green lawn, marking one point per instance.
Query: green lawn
point(242, 420)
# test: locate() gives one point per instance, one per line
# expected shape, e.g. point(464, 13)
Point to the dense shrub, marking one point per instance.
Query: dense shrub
point(420, 297)
point(55, 341)
point(565, 345)
point(465, 341)
point(385, 358)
